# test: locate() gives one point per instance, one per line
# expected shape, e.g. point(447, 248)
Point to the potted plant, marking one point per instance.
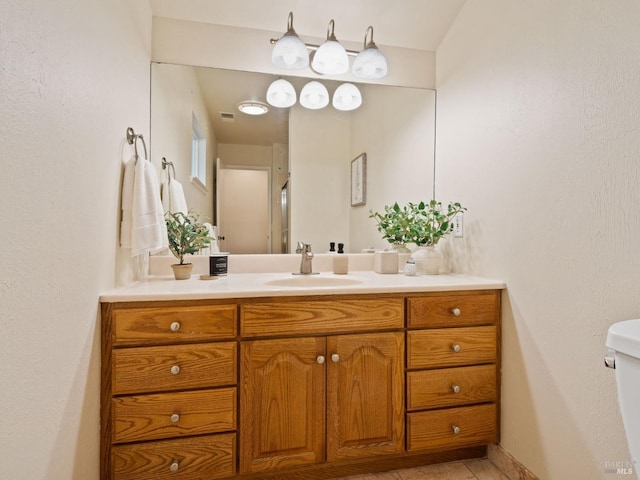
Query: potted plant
point(186, 237)
point(430, 224)
point(423, 224)
point(395, 224)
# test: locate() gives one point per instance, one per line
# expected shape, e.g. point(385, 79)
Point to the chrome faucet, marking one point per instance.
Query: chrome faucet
point(307, 256)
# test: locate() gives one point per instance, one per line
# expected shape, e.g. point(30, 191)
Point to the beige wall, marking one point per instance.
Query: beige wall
point(395, 127)
point(538, 136)
point(175, 97)
point(73, 77)
point(320, 176)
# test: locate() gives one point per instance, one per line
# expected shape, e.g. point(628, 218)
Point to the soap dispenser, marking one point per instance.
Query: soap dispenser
point(340, 261)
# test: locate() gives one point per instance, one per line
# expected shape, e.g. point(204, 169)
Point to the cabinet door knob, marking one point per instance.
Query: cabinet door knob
point(456, 312)
point(455, 347)
point(175, 418)
point(320, 359)
point(174, 467)
point(175, 326)
point(335, 358)
point(175, 369)
point(455, 388)
point(455, 429)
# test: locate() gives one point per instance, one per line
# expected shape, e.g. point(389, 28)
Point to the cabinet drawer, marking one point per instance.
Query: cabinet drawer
point(162, 325)
point(320, 317)
point(451, 347)
point(437, 429)
point(454, 310)
point(183, 459)
point(449, 387)
point(165, 415)
point(173, 367)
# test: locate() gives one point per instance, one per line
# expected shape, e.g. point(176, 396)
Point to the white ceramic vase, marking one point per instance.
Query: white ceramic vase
point(428, 260)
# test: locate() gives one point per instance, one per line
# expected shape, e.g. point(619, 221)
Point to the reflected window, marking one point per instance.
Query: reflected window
point(198, 153)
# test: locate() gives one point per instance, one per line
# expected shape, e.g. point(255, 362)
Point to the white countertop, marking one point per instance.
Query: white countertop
point(243, 285)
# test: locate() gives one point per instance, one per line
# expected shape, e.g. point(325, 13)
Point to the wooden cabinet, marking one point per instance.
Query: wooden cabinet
point(452, 370)
point(169, 394)
point(321, 399)
point(297, 387)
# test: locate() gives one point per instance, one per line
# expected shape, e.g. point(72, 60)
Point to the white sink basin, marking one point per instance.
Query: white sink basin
point(311, 281)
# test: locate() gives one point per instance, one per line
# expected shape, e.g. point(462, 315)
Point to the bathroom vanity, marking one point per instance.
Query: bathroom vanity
point(239, 379)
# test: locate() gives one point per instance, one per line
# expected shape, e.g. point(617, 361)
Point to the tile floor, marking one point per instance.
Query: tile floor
point(481, 469)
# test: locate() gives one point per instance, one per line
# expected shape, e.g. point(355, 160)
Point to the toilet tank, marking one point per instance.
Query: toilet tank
point(623, 339)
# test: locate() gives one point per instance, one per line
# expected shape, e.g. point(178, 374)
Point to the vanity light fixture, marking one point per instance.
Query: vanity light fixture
point(370, 62)
point(253, 108)
point(290, 51)
point(314, 96)
point(330, 58)
point(347, 97)
point(281, 94)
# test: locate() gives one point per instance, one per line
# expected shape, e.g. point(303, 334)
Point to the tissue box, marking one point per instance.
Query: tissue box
point(385, 261)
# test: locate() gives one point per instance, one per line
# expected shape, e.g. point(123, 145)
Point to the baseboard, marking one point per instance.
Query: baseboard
point(508, 465)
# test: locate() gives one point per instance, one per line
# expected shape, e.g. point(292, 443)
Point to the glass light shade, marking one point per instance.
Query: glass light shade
point(281, 94)
point(290, 52)
point(347, 97)
point(330, 59)
point(314, 96)
point(253, 108)
point(370, 63)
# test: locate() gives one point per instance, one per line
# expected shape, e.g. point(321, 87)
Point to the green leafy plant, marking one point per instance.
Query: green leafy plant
point(395, 223)
point(431, 223)
point(423, 223)
point(186, 235)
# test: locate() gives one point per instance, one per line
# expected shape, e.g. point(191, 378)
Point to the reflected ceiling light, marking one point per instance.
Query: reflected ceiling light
point(370, 62)
point(347, 97)
point(330, 58)
point(281, 94)
point(289, 51)
point(314, 96)
point(253, 108)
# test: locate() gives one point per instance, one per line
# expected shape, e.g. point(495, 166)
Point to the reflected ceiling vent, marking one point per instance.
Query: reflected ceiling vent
point(227, 117)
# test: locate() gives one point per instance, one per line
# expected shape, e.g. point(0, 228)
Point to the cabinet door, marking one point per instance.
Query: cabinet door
point(282, 403)
point(365, 390)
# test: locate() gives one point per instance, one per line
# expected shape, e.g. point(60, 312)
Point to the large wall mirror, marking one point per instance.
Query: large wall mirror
point(272, 180)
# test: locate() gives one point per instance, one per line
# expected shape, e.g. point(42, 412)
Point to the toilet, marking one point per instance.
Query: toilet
point(623, 341)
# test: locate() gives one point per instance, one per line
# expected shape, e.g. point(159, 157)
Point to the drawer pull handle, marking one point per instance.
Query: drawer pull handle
point(175, 370)
point(455, 347)
point(174, 467)
point(320, 359)
point(175, 418)
point(335, 358)
point(456, 312)
point(455, 429)
point(455, 388)
point(175, 326)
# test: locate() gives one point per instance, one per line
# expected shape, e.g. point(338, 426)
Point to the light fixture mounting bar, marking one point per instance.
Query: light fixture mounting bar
point(313, 47)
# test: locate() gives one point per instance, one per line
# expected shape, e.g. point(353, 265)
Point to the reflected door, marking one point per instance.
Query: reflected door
point(244, 213)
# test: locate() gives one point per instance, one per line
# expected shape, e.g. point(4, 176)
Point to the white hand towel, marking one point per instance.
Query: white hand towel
point(177, 202)
point(127, 203)
point(148, 230)
point(213, 247)
point(164, 193)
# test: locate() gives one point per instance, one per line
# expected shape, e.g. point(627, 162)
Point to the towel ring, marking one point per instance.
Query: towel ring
point(132, 139)
point(166, 164)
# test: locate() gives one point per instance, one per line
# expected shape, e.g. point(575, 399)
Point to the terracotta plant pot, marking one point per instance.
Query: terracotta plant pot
point(182, 272)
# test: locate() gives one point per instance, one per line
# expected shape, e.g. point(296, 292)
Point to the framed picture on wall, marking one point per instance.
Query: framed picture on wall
point(359, 180)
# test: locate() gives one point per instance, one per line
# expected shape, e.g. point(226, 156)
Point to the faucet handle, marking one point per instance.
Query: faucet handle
point(300, 247)
point(307, 248)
